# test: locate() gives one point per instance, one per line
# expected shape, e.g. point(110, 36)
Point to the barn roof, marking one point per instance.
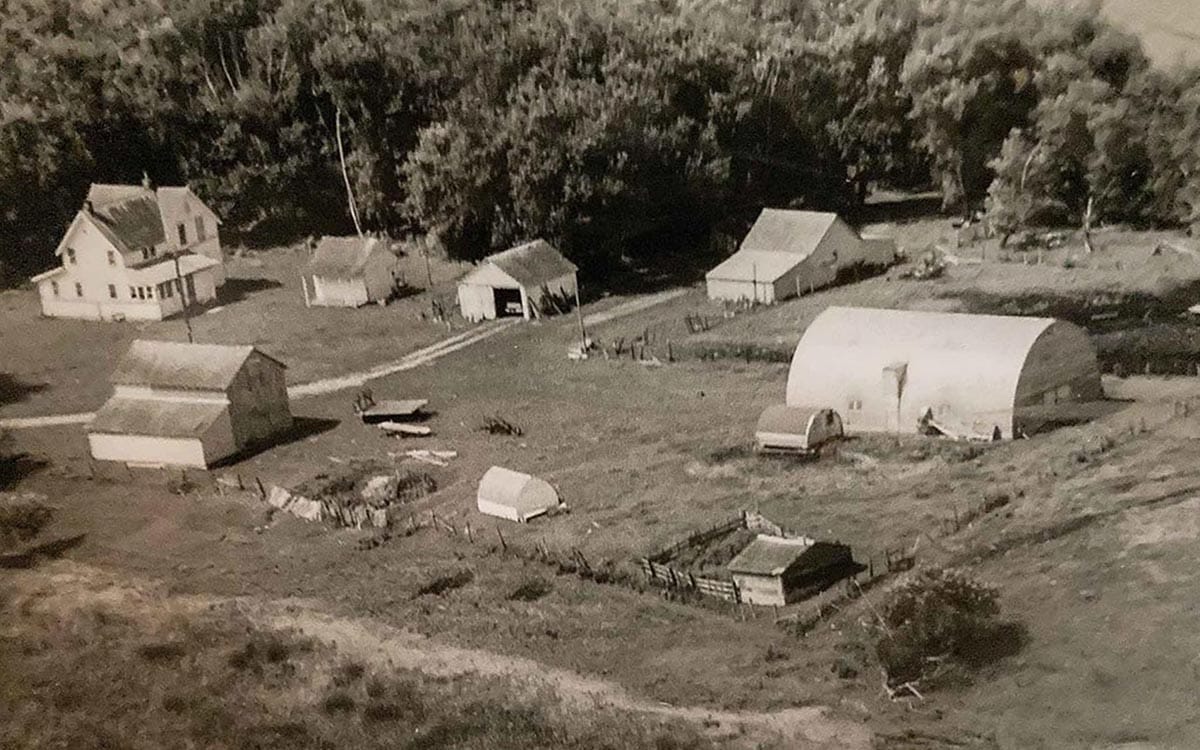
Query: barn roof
point(533, 263)
point(172, 364)
point(342, 257)
point(751, 265)
point(785, 231)
point(132, 416)
point(769, 555)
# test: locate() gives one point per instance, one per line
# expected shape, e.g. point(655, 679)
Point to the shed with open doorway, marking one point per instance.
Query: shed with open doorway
point(891, 370)
point(517, 283)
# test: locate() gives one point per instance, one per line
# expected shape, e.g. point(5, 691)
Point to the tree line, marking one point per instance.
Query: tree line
point(610, 127)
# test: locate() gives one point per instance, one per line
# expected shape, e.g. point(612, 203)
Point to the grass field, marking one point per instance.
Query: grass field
point(262, 304)
point(1091, 545)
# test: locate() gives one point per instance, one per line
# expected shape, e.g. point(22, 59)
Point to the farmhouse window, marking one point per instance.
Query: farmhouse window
point(855, 405)
point(199, 229)
point(182, 235)
point(112, 258)
point(78, 289)
point(70, 255)
point(132, 292)
point(54, 287)
point(112, 291)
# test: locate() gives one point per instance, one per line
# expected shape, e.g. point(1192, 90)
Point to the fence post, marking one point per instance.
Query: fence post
point(503, 545)
point(241, 484)
point(470, 538)
point(262, 491)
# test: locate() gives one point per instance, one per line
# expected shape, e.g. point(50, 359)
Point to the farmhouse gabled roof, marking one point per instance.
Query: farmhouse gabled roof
point(785, 231)
point(134, 416)
point(130, 213)
point(532, 264)
point(342, 257)
point(173, 364)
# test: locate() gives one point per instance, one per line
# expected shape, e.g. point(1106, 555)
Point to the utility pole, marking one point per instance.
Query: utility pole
point(583, 342)
point(183, 300)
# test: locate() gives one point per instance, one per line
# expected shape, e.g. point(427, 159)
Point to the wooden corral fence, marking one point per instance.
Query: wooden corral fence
point(657, 570)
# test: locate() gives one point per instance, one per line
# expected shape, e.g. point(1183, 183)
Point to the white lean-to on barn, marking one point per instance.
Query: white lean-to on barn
point(182, 404)
point(509, 494)
point(514, 283)
point(788, 253)
point(983, 375)
point(349, 272)
point(134, 253)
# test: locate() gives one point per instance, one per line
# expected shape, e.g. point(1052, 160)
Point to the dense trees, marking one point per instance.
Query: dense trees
point(604, 125)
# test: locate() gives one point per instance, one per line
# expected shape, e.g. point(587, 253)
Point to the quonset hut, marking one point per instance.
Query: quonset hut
point(985, 375)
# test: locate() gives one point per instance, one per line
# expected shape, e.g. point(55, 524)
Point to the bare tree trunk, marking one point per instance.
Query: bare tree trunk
point(346, 175)
point(224, 66)
point(1087, 224)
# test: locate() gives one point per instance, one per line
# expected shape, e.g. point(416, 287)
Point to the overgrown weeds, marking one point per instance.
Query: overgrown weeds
point(442, 584)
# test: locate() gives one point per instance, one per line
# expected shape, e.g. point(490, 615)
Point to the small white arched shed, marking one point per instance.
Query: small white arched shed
point(505, 493)
point(894, 370)
point(795, 428)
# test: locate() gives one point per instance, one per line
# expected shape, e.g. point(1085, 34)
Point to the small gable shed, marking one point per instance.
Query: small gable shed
point(516, 283)
point(349, 272)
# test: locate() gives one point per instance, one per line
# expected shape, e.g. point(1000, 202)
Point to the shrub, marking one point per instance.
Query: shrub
point(531, 590)
point(22, 521)
point(942, 617)
point(338, 702)
point(442, 584)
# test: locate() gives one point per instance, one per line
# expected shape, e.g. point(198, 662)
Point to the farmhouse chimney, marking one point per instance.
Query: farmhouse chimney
point(146, 180)
point(87, 206)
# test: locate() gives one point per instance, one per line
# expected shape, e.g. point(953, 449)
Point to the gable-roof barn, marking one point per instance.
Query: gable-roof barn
point(189, 404)
point(515, 282)
point(349, 272)
point(890, 370)
point(788, 253)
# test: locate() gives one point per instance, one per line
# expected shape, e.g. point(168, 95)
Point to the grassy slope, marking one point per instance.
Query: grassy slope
point(90, 665)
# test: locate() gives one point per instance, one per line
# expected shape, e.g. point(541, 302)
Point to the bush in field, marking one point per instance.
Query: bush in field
point(21, 521)
point(942, 619)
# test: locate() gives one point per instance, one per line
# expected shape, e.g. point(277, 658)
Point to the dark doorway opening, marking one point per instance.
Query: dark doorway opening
point(508, 303)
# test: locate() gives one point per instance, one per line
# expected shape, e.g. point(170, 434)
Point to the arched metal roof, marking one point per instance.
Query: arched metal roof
point(858, 359)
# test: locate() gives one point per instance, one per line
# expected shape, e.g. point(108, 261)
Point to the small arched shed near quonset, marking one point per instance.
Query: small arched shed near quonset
point(886, 370)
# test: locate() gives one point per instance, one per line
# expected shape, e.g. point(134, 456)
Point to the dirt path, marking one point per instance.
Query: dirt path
point(634, 305)
point(318, 387)
point(67, 586)
point(407, 362)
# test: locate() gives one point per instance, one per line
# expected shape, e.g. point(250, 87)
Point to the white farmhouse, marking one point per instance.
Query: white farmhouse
point(182, 404)
point(134, 253)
